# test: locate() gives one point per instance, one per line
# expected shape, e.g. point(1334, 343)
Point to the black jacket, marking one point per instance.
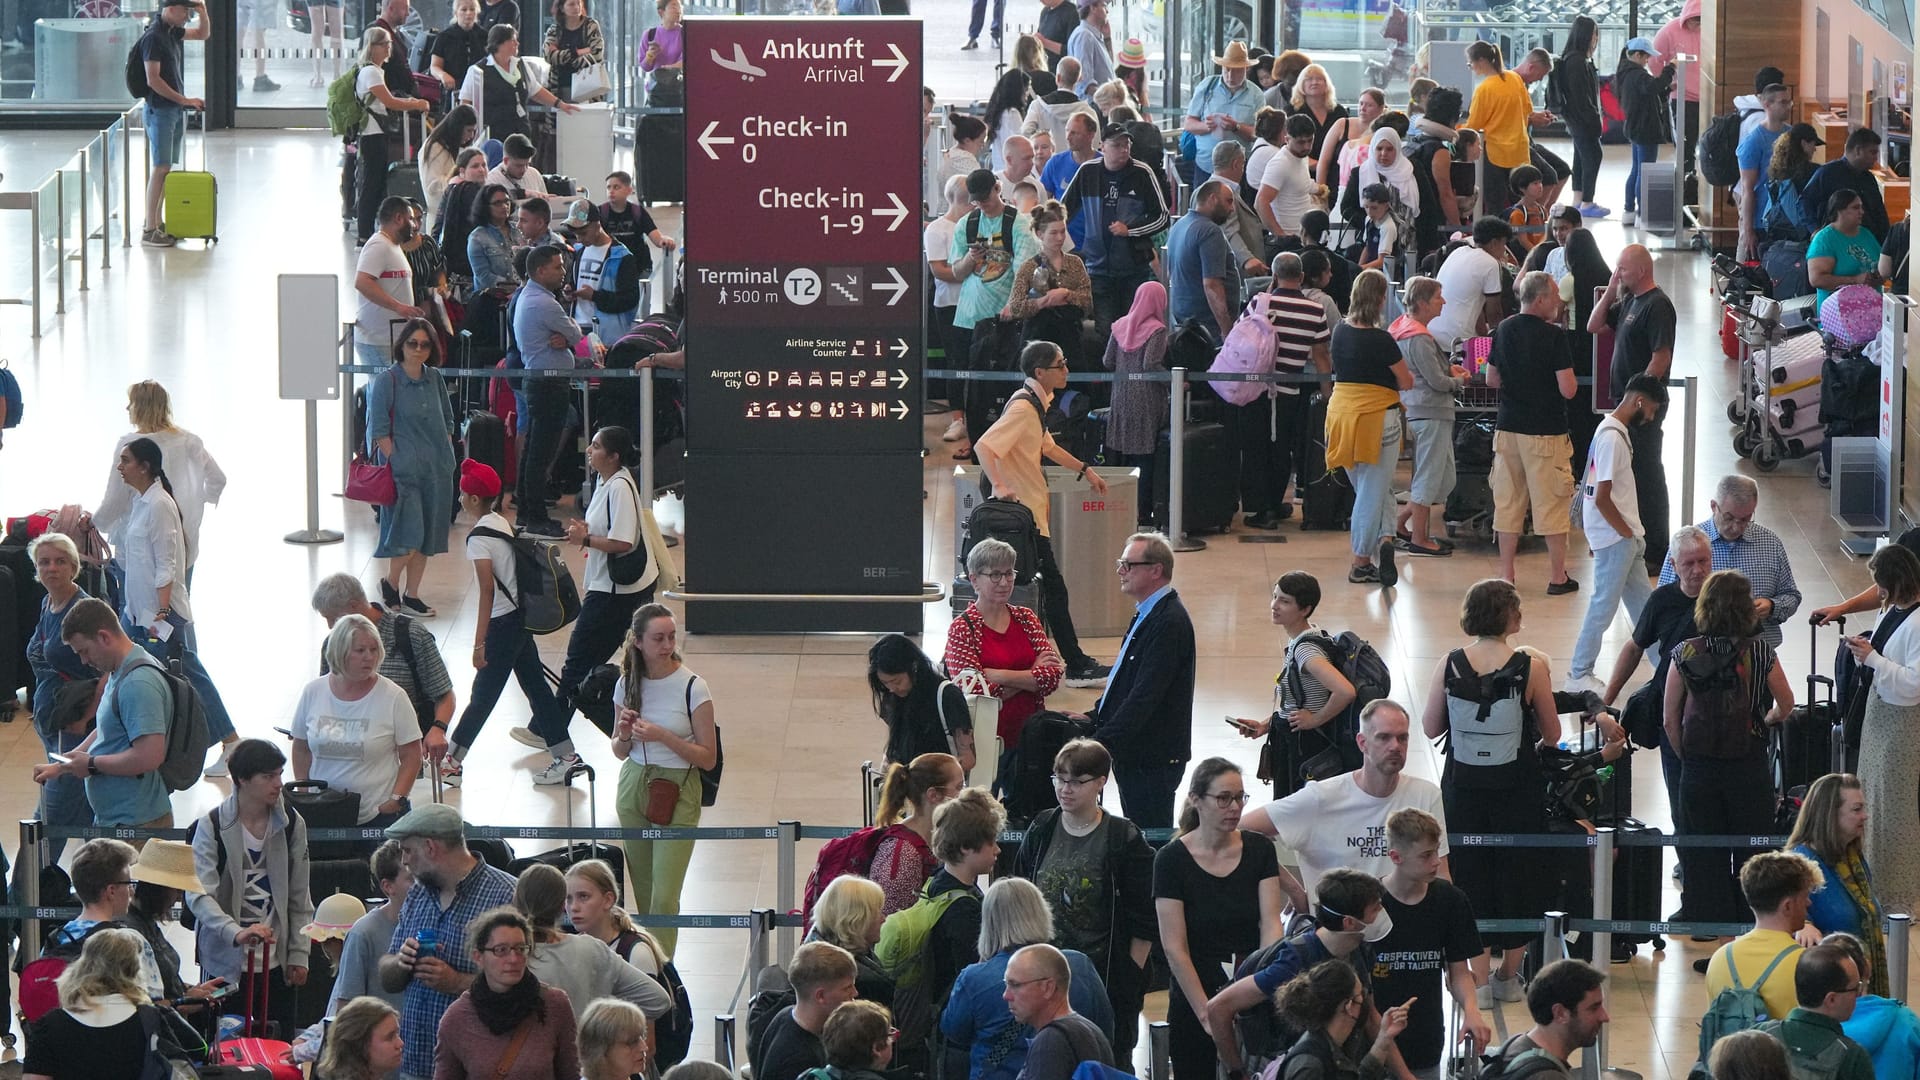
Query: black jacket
point(1129, 862)
point(1643, 98)
point(1580, 88)
point(1146, 715)
point(1837, 176)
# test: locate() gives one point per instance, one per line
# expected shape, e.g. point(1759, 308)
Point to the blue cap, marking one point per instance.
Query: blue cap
point(1641, 44)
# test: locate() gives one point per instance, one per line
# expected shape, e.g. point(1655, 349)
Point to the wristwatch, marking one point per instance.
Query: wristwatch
point(93, 767)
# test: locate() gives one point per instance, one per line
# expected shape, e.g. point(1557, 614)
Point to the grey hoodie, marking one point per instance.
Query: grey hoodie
point(1433, 383)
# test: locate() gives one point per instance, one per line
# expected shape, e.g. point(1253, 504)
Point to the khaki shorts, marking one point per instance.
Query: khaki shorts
point(1536, 470)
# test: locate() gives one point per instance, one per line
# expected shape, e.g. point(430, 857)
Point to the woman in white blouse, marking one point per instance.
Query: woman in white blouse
point(197, 479)
point(665, 732)
point(355, 729)
point(1889, 754)
point(155, 609)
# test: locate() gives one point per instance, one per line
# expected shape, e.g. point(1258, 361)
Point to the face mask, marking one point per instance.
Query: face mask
point(1378, 928)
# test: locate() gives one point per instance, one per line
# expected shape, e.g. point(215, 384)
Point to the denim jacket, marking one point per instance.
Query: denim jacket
point(491, 257)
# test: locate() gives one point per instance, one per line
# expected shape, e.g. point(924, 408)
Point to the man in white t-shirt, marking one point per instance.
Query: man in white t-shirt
point(938, 241)
point(1342, 820)
point(1611, 518)
point(385, 285)
point(515, 171)
point(1471, 281)
point(1286, 190)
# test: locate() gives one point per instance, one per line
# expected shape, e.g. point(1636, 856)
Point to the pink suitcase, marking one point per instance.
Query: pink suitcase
point(1796, 360)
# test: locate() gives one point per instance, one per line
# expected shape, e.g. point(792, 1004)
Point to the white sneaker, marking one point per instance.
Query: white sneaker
point(1583, 684)
point(1626, 217)
point(526, 737)
point(1483, 995)
point(450, 772)
point(556, 771)
point(956, 431)
point(219, 768)
point(1508, 989)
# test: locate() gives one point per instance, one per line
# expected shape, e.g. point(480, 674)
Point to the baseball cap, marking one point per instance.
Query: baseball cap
point(581, 213)
point(1116, 131)
point(1642, 45)
point(981, 183)
point(1806, 131)
point(434, 821)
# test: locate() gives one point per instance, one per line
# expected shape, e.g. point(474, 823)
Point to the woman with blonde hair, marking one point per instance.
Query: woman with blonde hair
point(1350, 142)
point(849, 913)
point(55, 666)
point(384, 117)
point(356, 729)
point(197, 478)
point(98, 1027)
point(1363, 425)
point(1829, 829)
point(664, 730)
point(363, 1043)
point(1313, 93)
point(613, 1041)
point(904, 861)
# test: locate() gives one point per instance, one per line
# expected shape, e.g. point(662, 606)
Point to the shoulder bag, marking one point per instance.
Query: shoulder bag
point(631, 565)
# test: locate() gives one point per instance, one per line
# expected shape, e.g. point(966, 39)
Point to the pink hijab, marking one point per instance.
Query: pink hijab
point(1148, 314)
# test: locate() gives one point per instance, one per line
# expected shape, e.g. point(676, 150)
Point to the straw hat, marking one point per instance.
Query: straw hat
point(1133, 54)
point(1235, 56)
point(167, 863)
point(333, 917)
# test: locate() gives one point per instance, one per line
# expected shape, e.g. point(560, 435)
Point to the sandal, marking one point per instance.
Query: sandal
point(965, 453)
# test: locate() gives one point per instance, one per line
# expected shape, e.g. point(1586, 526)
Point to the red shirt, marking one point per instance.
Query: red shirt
point(1023, 646)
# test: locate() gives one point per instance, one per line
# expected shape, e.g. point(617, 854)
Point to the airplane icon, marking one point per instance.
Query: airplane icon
point(740, 64)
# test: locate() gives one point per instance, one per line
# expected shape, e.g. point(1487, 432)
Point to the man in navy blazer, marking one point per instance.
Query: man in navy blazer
point(1145, 718)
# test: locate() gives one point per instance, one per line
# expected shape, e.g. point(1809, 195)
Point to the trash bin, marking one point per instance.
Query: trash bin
point(1088, 532)
point(82, 60)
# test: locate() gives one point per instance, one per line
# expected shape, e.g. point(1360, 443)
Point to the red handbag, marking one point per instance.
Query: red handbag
point(368, 482)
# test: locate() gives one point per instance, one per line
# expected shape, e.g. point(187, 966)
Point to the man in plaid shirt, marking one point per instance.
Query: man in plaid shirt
point(1739, 543)
point(451, 886)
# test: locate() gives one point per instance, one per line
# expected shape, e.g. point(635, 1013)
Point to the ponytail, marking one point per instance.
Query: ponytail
point(1312, 998)
point(907, 786)
point(1204, 775)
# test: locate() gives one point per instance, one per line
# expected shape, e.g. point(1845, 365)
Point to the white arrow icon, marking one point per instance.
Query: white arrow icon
point(900, 410)
point(899, 350)
point(898, 213)
point(899, 379)
point(898, 63)
point(708, 139)
point(898, 287)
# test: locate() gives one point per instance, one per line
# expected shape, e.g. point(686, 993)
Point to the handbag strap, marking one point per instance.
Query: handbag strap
point(520, 1034)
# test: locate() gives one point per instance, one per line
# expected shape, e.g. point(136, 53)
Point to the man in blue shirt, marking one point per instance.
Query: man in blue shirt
point(1203, 277)
point(1090, 44)
point(1743, 544)
point(1083, 131)
point(1222, 107)
point(546, 337)
point(451, 886)
point(1124, 207)
point(121, 759)
point(1754, 154)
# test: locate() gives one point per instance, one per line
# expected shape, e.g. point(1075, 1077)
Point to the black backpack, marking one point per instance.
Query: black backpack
point(137, 70)
point(1719, 148)
point(1557, 85)
point(1012, 523)
point(1421, 146)
point(1027, 782)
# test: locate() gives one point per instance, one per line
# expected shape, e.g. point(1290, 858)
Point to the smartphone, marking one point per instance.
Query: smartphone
point(61, 759)
point(1235, 724)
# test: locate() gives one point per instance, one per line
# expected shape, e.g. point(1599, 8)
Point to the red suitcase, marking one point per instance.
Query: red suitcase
point(274, 1056)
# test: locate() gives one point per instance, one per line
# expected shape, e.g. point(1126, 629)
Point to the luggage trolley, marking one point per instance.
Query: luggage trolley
point(1469, 508)
point(1777, 410)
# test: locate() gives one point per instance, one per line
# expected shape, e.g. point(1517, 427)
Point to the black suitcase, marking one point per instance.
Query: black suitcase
point(323, 807)
point(1211, 479)
point(1326, 495)
point(1810, 744)
point(561, 858)
point(484, 437)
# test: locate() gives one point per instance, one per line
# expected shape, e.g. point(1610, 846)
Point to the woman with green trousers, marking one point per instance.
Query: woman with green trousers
point(664, 731)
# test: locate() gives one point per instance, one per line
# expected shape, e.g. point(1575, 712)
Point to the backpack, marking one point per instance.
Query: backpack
point(853, 854)
point(137, 68)
point(1011, 522)
point(552, 600)
point(1249, 350)
point(1824, 1065)
point(672, 1033)
point(187, 736)
point(1787, 216)
point(1486, 714)
point(1360, 664)
point(998, 260)
point(1719, 148)
point(1557, 85)
point(1736, 1008)
point(1720, 717)
point(1524, 1064)
point(902, 951)
point(39, 994)
point(1264, 1032)
point(1420, 148)
point(1027, 781)
point(346, 113)
point(10, 394)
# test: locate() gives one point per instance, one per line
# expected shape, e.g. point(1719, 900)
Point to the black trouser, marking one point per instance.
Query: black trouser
point(1496, 189)
point(1148, 790)
point(1193, 1053)
point(976, 395)
point(1723, 798)
point(1053, 606)
point(1127, 993)
point(546, 429)
point(940, 331)
point(601, 627)
point(1586, 162)
point(373, 184)
point(1477, 871)
point(1267, 433)
point(1650, 483)
point(1113, 294)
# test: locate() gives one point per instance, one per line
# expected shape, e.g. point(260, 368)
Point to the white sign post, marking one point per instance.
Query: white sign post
point(309, 319)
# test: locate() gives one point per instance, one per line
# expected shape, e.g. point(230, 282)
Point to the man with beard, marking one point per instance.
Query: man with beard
point(1203, 277)
point(385, 284)
point(1611, 519)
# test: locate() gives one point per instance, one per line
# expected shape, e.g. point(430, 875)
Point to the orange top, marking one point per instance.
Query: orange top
point(1500, 111)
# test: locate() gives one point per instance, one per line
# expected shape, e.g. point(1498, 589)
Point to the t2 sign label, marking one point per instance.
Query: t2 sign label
point(803, 188)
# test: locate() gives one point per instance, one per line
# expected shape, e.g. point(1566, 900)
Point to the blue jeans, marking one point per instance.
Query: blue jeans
point(979, 16)
point(510, 650)
point(1373, 506)
point(1619, 572)
point(1643, 154)
point(219, 724)
point(63, 800)
point(166, 134)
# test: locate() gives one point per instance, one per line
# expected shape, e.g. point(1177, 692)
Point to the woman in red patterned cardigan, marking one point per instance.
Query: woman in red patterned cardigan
point(1005, 643)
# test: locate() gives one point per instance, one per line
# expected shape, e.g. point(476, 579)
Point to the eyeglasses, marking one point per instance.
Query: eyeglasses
point(1123, 565)
point(1060, 366)
point(998, 577)
point(638, 1042)
point(1072, 783)
point(501, 952)
point(1227, 800)
point(1016, 984)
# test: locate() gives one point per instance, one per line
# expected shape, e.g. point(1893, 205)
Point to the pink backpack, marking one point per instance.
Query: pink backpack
point(1851, 314)
point(1248, 350)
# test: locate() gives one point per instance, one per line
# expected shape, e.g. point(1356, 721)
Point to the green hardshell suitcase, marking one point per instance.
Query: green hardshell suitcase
point(191, 201)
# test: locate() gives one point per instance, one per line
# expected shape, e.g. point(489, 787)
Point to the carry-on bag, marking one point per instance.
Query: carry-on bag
point(563, 858)
point(190, 199)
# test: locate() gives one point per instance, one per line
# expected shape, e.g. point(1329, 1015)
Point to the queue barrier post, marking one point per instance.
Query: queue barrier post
point(1555, 936)
point(723, 1042)
point(786, 856)
point(347, 448)
point(1159, 1051)
point(1594, 1063)
point(28, 875)
point(1691, 427)
point(1176, 522)
point(646, 438)
point(1898, 929)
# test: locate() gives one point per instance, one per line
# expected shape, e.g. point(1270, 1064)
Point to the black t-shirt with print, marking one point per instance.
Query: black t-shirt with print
point(1077, 882)
point(1411, 962)
point(631, 226)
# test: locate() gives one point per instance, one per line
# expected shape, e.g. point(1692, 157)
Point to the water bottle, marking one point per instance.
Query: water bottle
point(429, 942)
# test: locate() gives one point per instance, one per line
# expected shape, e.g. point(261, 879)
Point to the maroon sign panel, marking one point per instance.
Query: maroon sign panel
point(803, 234)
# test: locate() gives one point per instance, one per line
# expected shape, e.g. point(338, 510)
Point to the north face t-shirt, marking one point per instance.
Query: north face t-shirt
point(1332, 823)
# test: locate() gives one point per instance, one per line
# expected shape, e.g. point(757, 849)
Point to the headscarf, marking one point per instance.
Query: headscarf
point(1148, 314)
point(1398, 176)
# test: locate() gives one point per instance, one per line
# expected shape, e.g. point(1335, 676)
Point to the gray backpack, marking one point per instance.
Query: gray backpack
point(1486, 714)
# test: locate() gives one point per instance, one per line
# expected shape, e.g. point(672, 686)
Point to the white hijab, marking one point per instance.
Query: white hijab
point(1398, 176)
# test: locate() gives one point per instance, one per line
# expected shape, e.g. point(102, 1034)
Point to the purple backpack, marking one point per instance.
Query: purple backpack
point(1248, 350)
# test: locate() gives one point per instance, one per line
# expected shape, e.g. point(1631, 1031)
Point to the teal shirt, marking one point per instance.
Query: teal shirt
point(979, 298)
point(135, 703)
point(1850, 254)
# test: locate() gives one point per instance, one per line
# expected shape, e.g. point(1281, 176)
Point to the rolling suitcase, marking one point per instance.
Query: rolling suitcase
point(1326, 495)
point(191, 200)
point(1210, 478)
point(256, 1047)
point(403, 176)
point(323, 807)
point(561, 858)
point(14, 672)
